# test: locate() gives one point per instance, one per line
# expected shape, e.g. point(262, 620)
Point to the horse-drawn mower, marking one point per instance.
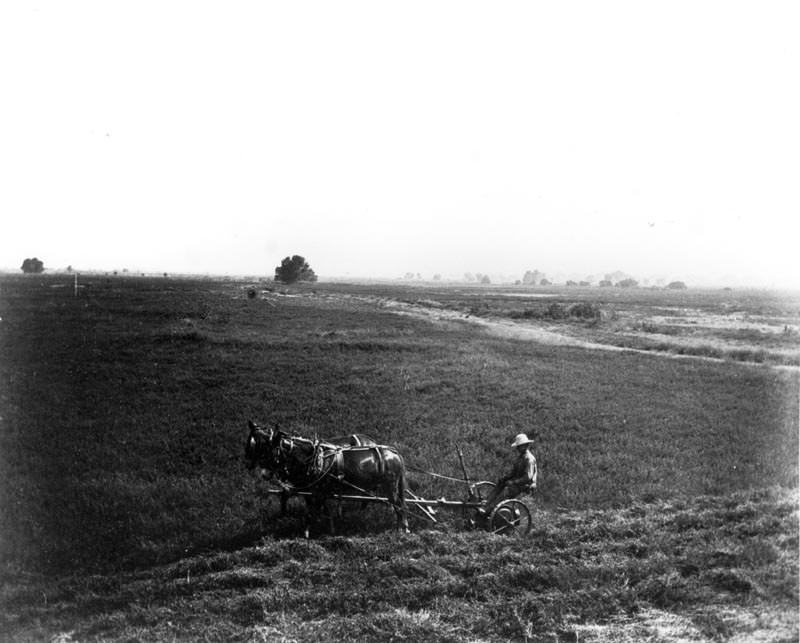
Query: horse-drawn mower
point(356, 469)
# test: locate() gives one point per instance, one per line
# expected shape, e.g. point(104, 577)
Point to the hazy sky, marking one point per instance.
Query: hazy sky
point(376, 138)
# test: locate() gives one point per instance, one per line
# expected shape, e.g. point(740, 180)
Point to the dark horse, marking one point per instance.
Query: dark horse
point(328, 470)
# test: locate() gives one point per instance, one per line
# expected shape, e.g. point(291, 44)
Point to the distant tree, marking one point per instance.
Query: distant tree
point(485, 279)
point(605, 283)
point(676, 285)
point(616, 276)
point(437, 277)
point(69, 268)
point(545, 282)
point(572, 283)
point(293, 269)
point(33, 265)
point(532, 277)
point(585, 283)
point(628, 283)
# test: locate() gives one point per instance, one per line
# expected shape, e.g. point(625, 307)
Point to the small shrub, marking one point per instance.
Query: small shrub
point(585, 310)
point(556, 311)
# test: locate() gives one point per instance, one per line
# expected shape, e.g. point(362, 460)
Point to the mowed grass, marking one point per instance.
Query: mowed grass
point(124, 416)
point(576, 568)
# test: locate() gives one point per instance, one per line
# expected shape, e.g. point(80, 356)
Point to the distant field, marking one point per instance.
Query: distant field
point(745, 325)
point(124, 415)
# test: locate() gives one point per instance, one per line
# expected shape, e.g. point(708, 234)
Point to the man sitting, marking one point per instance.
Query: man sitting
point(521, 478)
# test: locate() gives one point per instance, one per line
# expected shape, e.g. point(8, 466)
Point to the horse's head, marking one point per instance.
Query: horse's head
point(258, 450)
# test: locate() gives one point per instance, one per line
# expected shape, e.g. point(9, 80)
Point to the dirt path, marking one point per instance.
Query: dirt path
point(514, 330)
point(501, 328)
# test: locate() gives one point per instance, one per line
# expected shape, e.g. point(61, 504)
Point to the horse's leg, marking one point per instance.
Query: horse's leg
point(318, 508)
point(331, 525)
point(400, 503)
point(284, 503)
point(326, 513)
point(307, 523)
point(312, 508)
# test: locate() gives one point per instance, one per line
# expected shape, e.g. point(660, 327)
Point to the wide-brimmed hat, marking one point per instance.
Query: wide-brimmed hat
point(520, 440)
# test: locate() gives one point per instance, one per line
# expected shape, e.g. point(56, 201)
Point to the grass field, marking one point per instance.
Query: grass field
point(668, 490)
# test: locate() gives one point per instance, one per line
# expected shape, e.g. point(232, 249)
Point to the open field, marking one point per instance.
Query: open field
point(668, 492)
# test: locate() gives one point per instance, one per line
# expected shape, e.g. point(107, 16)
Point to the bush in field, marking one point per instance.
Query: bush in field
point(628, 283)
point(293, 269)
point(605, 283)
point(676, 285)
point(556, 311)
point(585, 310)
point(32, 266)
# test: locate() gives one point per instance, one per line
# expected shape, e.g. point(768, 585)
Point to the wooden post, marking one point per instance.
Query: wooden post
point(76, 284)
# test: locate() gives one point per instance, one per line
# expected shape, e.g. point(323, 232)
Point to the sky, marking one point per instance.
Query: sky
point(660, 139)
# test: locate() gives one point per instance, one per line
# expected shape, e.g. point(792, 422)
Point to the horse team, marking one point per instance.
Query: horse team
point(353, 465)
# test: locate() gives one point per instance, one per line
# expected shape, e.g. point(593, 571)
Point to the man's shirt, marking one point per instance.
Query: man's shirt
point(525, 471)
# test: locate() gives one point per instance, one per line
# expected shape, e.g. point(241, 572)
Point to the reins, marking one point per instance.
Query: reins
point(438, 475)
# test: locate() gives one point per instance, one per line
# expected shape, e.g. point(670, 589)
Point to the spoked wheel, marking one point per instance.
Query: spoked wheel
point(510, 518)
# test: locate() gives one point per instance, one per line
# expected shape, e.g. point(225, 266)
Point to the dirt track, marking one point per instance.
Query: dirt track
point(516, 330)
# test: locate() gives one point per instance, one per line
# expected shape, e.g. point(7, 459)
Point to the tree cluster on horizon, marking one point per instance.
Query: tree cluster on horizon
point(294, 269)
point(32, 266)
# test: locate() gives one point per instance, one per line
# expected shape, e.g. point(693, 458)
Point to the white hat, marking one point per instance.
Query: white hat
point(520, 440)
